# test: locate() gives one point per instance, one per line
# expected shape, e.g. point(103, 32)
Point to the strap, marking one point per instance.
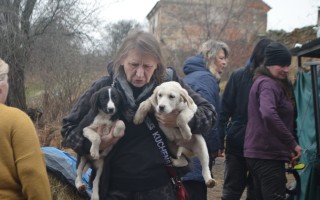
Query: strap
point(158, 136)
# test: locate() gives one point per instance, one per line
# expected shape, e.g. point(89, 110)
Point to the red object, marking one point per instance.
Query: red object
point(182, 193)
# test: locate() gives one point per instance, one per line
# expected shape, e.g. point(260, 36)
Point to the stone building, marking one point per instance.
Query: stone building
point(185, 24)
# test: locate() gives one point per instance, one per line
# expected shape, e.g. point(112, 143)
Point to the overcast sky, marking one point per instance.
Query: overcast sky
point(285, 14)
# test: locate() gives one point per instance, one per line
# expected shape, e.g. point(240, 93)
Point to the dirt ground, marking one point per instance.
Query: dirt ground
point(217, 171)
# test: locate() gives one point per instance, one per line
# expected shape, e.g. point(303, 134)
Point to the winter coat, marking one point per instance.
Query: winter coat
point(201, 80)
point(269, 133)
point(233, 114)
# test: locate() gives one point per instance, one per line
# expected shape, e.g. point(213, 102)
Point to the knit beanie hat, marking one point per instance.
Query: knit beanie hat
point(277, 54)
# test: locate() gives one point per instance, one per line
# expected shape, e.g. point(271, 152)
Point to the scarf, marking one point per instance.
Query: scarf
point(132, 96)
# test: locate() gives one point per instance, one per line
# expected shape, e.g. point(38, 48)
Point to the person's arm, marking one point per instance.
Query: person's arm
point(30, 163)
point(71, 132)
point(268, 109)
point(209, 89)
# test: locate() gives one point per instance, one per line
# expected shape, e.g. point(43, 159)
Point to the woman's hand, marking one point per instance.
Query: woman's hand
point(107, 140)
point(168, 120)
point(296, 154)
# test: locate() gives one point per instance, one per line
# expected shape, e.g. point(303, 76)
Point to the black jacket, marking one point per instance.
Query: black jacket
point(233, 112)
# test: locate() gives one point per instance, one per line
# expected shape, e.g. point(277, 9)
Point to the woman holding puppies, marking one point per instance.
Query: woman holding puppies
point(135, 168)
point(22, 165)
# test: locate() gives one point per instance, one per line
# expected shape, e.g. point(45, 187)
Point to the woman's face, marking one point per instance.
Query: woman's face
point(220, 62)
point(139, 68)
point(278, 71)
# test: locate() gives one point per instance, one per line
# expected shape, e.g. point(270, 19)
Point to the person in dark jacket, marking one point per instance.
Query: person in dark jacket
point(135, 168)
point(232, 125)
point(203, 72)
point(269, 140)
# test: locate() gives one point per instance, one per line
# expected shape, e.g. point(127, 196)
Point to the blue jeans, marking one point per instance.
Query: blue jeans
point(269, 178)
point(166, 192)
point(236, 178)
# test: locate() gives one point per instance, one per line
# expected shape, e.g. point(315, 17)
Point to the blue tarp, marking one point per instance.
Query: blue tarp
point(63, 165)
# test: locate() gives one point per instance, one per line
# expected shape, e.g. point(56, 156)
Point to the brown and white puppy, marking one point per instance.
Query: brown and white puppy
point(102, 115)
point(169, 97)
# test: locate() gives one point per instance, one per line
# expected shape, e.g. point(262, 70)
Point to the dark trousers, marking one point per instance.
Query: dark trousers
point(196, 190)
point(166, 192)
point(269, 178)
point(236, 178)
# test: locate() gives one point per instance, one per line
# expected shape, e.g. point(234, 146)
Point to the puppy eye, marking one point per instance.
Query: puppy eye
point(172, 96)
point(160, 95)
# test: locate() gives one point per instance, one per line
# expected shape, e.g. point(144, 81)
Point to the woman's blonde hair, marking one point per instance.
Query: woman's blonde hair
point(4, 70)
point(210, 49)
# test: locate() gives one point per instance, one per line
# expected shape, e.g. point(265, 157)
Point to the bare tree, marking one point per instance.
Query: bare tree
point(116, 32)
point(21, 22)
point(59, 70)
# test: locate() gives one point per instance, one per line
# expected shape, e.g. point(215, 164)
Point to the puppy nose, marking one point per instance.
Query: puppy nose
point(110, 110)
point(161, 108)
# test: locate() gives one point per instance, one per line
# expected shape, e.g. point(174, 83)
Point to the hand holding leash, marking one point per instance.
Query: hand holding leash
point(296, 154)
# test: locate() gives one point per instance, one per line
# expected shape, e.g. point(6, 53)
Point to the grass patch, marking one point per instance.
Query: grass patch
point(33, 92)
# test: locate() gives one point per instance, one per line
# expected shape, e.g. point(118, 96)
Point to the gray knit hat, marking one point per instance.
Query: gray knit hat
point(277, 54)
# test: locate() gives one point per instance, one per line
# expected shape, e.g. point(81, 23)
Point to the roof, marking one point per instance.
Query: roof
point(310, 49)
point(153, 10)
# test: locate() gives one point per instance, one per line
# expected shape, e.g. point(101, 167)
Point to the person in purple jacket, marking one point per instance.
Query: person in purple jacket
point(269, 140)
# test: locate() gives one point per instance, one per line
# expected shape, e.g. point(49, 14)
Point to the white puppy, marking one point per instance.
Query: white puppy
point(169, 97)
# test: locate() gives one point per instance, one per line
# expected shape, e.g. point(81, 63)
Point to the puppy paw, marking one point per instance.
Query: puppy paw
point(188, 137)
point(82, 188)
point(79, 185)
point(211, 183)
point(119, 128)
point(94, 154)
point(181, 162)
point(137, 119)
point(186, 133)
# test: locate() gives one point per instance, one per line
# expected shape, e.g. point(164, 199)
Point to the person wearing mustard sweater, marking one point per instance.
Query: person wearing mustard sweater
point(22, 165)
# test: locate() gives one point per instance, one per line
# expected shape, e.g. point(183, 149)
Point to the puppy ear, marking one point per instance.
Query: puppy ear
point(94, 102)
point(153, 98)
point(186, 98)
